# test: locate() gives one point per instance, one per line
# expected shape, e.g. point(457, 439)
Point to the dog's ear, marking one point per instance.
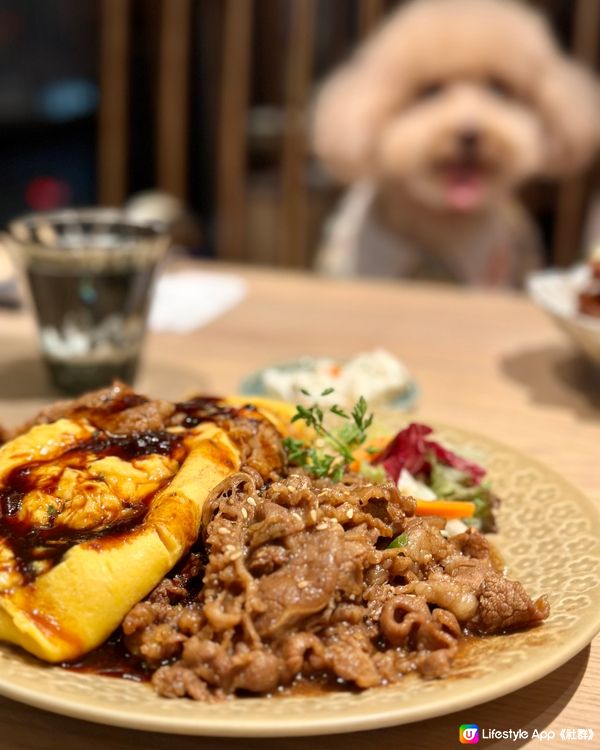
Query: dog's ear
point(347, 116)
point(569, 100)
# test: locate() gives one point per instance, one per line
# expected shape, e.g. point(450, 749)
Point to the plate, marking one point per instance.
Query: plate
point(253, 385)
point(556, 291)
point(549, 540)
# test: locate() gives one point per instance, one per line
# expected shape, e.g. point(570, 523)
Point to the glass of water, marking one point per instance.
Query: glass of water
point(90, 274)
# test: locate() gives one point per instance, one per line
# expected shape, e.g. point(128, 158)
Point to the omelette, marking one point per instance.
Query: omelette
point(94, 511)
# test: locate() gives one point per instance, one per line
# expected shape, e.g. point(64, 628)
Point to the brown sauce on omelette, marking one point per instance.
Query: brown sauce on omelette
point(33, 543)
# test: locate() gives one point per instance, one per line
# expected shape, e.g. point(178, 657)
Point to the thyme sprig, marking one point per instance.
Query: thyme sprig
point(331, 453)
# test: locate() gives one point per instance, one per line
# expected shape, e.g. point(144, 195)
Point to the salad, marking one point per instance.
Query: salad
point(442, 482)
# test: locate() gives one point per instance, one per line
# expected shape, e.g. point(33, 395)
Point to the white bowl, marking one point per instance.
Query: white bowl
point(556, 291)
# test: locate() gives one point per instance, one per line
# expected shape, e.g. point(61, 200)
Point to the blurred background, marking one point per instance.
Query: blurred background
point(207, 100)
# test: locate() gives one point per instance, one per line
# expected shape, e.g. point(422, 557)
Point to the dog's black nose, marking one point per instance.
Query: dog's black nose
point(469, 139)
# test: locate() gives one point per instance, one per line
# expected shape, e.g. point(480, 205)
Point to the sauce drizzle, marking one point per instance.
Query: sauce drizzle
point(32, 544)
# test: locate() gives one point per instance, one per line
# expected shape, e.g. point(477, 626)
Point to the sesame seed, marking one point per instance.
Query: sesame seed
point(235, 556)
point(229, 547)
point(251, 501)
point(313, 515)
point(244, 513)
point(297, 515)
point(223, 530)
point(350, 512)
point(302, 584)
point(321, 526)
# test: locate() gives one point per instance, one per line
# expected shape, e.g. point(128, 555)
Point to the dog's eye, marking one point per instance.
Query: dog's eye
point(499, 87)
point(429, 90)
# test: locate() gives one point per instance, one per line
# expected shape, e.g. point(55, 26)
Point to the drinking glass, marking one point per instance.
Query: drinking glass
point(90, 274)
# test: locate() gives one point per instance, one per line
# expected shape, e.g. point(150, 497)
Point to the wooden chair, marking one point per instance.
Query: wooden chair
point(573, 193)
point(292, 196)
point(172, 115)
point(172, 129)
point(293, 210)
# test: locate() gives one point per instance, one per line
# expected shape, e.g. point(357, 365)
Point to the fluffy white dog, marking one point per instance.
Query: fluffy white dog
point(435, 122)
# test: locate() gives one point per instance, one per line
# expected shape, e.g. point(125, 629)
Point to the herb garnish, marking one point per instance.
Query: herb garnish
point(317, 457)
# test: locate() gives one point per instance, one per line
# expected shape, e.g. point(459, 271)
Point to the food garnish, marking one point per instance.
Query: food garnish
point(399, 541)
point(333, 450)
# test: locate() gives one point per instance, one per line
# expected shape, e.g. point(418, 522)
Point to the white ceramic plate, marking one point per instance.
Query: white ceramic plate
point(556, 291)
point(550, 540)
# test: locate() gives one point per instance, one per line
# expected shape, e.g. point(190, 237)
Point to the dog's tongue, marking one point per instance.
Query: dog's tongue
point(464, 188)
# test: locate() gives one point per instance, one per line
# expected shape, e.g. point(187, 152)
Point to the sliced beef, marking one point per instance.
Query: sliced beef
point(300, 582)
point(97, 406)
point(304, 585)
point(151, 416)
point(505, 605)
point(475, 545)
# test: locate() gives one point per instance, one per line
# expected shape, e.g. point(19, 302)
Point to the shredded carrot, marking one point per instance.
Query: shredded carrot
point(365, 452)
point(445, 508)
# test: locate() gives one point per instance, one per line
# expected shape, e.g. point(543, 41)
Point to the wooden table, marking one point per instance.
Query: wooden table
point(485, 361)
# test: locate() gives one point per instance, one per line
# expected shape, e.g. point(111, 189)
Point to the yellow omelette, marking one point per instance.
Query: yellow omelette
point(60, 611)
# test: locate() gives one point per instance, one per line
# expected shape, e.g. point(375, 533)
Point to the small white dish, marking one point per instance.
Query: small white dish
point(378, 376)
point(556, 291)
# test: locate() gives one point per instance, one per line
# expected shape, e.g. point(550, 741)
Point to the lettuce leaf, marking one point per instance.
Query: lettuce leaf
point(452, 484)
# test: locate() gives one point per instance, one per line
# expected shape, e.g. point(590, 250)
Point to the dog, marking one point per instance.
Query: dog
point(435, 122)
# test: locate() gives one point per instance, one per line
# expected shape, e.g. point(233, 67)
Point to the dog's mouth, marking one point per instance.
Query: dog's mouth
point(464, 184)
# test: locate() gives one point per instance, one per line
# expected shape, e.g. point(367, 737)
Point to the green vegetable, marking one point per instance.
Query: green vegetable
point(399, 541)
point(52, 512)
point(373, 473)
point(452, 484)
point(331, 454)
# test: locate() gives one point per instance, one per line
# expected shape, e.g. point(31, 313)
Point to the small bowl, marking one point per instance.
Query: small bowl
point(253, 385)
point(556, 292)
